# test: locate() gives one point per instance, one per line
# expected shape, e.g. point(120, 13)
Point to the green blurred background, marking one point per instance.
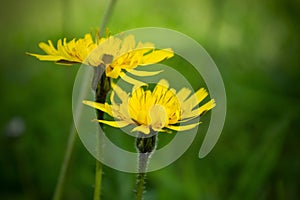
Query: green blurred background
point(255, 44)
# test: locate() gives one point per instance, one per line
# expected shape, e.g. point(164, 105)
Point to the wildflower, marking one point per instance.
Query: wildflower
point(159, 110)
point(67, 53)
point(116, 55)
point(125, 55)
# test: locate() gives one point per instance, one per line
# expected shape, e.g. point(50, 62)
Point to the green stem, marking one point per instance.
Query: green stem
point(65, 165)
point(145, 146)
point(102, 88)
point(141, 177)
point(140, 186)
point(98, 180)
point(106, 15)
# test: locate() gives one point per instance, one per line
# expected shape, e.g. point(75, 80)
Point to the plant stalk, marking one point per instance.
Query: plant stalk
point(145, 146)
point(65, 165)
point(98, 180)
point(141, 177)
point(106, 16)
point(101, 89)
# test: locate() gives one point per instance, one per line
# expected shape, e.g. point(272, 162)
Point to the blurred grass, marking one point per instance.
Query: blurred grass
point(256, 47)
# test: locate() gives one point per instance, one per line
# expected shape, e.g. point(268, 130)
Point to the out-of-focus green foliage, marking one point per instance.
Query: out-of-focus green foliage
point(256, 46)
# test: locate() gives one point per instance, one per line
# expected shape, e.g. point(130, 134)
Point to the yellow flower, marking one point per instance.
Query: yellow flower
point(125, 55)
point(116, 55)
point(67, 53)
point(157, 110)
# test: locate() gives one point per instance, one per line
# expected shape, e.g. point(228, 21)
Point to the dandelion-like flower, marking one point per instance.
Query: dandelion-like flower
point(67, 53)
point(125, 55)
point(116, 55)
point(159, 110)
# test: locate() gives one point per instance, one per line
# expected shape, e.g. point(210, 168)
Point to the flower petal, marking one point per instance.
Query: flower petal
point(46, 57)
point(156, 56)
point(142, 128)
point(116, 124)
point(128, 44)
point(49, 49)
point(67, 52)
point(100, 106)
point(121, 93)
point(201, 110)
point(183, 94)
point(184, 127)
point(132, 81)
point(158, 117)
point(113, 72)
point(195, 99)
point(143, 73)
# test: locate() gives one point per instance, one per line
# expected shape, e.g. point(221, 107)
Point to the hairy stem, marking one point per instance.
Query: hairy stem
point(141, 177)
point(145, 147)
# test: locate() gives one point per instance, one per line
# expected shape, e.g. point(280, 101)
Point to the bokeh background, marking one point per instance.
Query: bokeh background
point(255, 44)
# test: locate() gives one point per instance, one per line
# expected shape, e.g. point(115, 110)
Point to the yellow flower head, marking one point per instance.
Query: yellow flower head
point(116, 55)
point(125, 55)
point(158, 109)
point(66, 53)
